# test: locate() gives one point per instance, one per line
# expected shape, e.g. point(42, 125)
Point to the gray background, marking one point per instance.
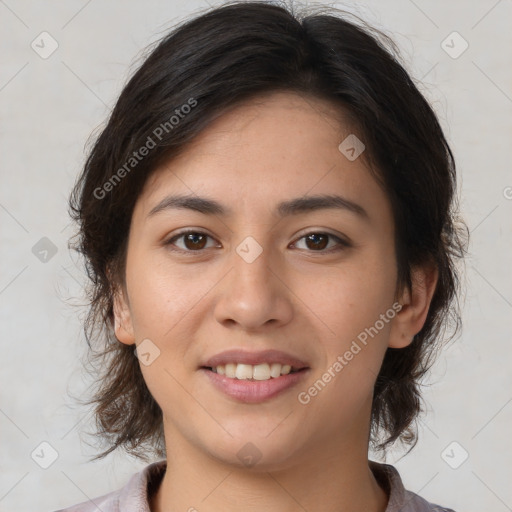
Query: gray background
point(48, 109)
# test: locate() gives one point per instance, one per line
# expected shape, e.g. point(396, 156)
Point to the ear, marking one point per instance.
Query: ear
point(415, 303)
point(123, 325)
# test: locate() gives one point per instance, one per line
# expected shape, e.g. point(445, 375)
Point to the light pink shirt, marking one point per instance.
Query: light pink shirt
point(134, 496)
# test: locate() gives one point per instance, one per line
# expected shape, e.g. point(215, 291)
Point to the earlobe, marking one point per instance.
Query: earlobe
point(123, 327)
point(415, 303)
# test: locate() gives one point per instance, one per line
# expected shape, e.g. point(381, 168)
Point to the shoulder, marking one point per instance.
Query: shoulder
point(400, 499)
point(107, 503)
point(133, 497)
point(415, 503)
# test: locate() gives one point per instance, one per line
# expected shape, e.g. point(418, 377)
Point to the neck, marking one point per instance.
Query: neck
point(323, 481)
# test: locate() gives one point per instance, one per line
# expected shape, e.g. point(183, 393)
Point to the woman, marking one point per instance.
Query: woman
point(268, 224)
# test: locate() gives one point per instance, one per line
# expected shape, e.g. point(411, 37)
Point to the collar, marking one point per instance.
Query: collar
point(135, 496)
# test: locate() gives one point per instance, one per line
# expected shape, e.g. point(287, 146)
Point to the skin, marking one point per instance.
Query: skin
point(295, 297)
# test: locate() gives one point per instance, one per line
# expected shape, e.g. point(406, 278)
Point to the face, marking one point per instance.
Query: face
point(222, 298)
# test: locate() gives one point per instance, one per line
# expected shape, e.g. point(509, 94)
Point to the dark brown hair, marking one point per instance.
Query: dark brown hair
point(221, 59)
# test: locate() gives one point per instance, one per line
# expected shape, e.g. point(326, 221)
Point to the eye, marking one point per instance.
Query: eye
point(317, 241)
point(194, 241)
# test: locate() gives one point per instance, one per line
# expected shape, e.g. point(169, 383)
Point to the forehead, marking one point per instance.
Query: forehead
point(268, 149)
point(275, 121)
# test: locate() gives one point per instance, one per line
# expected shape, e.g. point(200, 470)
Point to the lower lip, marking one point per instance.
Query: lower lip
point(254, 391)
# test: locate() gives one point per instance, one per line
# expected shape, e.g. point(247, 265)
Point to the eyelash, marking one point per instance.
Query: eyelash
point(342, 244)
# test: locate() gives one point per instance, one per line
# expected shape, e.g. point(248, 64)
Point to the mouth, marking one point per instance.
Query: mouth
point(253, 377)
point(257, 372)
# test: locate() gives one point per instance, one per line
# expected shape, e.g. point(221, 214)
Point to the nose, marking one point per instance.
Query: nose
point(255, 293)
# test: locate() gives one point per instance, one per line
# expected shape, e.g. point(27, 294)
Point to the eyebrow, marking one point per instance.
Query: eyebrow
point(295, 206)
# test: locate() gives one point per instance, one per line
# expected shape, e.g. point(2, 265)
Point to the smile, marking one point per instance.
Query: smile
point(253, 377)
point(262, 371)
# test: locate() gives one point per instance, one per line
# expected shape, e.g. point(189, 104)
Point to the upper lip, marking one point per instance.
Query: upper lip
point(253, 358)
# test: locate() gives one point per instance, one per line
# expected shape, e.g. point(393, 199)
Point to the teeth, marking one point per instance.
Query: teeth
point(262, 371)
point(275, 370)
point(230, 370)
point(243, 371)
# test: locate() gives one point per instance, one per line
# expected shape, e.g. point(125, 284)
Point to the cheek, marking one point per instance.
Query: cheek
point(342, 298)
point(161, 294)
point(350, 298)
point(356, 308)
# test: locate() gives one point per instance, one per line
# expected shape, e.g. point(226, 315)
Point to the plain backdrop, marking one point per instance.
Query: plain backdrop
point(50, 105)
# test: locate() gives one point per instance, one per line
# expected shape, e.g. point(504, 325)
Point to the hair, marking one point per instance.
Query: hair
point(217, 61)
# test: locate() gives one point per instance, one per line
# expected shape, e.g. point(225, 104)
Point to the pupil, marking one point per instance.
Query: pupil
point(191, 237)
point(315, 236)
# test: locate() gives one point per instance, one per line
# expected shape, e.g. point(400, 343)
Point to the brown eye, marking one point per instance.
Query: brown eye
point(192, 241)
point(317, 242)
point(196, 241)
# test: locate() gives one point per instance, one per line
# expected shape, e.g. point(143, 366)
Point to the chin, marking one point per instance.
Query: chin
point(253, 448)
